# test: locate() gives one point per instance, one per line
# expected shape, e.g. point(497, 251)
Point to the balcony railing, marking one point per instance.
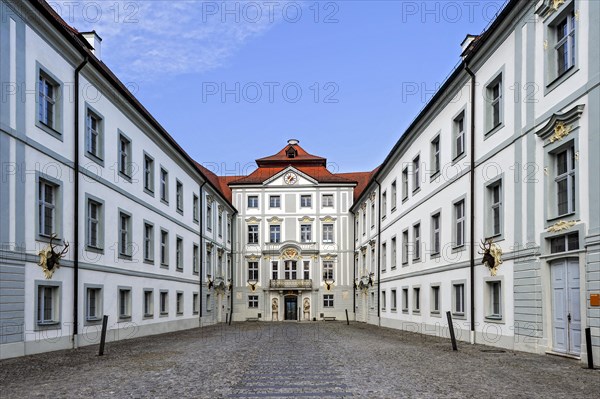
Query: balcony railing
point(306, 284)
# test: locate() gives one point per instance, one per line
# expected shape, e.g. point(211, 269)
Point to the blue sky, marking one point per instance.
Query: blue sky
point(232, 81)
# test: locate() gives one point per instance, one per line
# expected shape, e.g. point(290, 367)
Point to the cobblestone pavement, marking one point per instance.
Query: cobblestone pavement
point(323, 359)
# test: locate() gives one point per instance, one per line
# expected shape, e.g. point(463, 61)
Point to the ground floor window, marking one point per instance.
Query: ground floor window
point(328, 300)
point(48, 304)
point(124, 303)
point(459, 298)
point(179, 304)
point(494, 292)
point(148, 303)
point(93, 306)
point(253, 301)
point(164, 303)
point(435, 299)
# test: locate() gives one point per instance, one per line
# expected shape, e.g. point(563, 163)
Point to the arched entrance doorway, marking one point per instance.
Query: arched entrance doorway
point(290, 307)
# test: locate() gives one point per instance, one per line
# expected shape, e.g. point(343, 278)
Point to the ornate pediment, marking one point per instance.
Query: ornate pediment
point(372, 196)
point(561, 225)
point(252, 220)
point(363, 249)
point(363, 206)
point(328, 256)
point(210, 198)
point(209, 246)
point(306, 219)
point(548, 7)
point(252, 257)
point(328, 219)
point(220, 209)
point(560, 125)
point(220, 251)
point(373, 242)
point(275, 220)
point(290, 254)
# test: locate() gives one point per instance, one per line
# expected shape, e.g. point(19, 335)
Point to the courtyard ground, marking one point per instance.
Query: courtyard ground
point(276, 360)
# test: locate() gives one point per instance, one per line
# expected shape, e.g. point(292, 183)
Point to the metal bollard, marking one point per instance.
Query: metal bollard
point(103, 336)
point(347, 319)
point(588, 343)
point(451, 328)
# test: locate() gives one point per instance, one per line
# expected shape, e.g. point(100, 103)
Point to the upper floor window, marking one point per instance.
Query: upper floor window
point(435, 234)
point(563, 243)
point(275, 269)
point(373, 215)
point(47, 208)
point(164, 248)
point(124, 234)
point(328, 233)
point(252, 201)
point(383, 256)
point(305, 201)
point(394, 253)
point(47, 107)
point(253, 234)
point(405, 183)
point(494, 200)
point(195, 207)
point(494, 103)
point(565, 181)
point(417, 241)
point(416, 174)
point(94, 134)
point(459, 223)
point(306, 270)
point(209, 216)
point(179, 253)
point(383, 205)
point(253, 271)
point(220, 224)
point(164, 185)
point(565, 43)
point(124, 156)
point(94, 217)
point(275, 233)
point(179, 195)
point(435, 156)
point(148, 242)
point(327, 200)
point(274, 201)
point(459, 135)
point(394, 195)
point(327, 270)
point(148, 173)
point(405, 247)
point(305, 233)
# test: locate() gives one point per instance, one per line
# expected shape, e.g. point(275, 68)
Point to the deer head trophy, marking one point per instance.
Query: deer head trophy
point(329, 283)
point(252, 284)
point(210, 282)
point(50, 259)
point(492, 255)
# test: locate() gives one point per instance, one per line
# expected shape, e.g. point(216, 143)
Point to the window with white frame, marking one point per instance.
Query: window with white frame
point(208, 303)
point(306, 270)
point(405, 299)
point(148, 242)
point(196, 258)
point(253, 201)
point(494, 103)
point(253, 271)
point(495, 209)
point(164, 303)
point(48, 304)
point(164, 185)
point(228, 229)
point(274, 201)
point(564, 180)
point(195, 303)
point(417, 241)
point(124, 303)
point(327, 270)
point(564, 243)
point(209, 215)
point(93, 306)
point(373, 215)
point(404, 183)
point(148, 303)
point(306, 201)
point(94, 227)
point(179, 195)
point(394, 299)
point(364, 221)
point(275, 233)
point(459, 135)
point(394, 195)
point(220, 224)
point(179, 253)
point(416, 299)
point(372, 300)
point(394, 253)
point(47, 201)
point(458, 293)
point(459, 223)
point(327, 200)
point(275, 270)
point(209, 262)
point(124, 156)
point(405, 247)
point(220, 265)
point(94, 126)
point(179, 303)
point(384, 257)
point(435, 156)
point(195, 207)
point(416, 173)
point(328, 233)
point(383, 205)
point(494, 292)
point(435, 299)
point(164, 248)
point(252, 234)
point(125, 234)
point(328, 301)
point(565, 43)
point(48, 100)
point(148, 173)
point(290, 270)
point(305, 233)
point(436, 234)
point(372, 259)
point(253, 301)
point(383, 299)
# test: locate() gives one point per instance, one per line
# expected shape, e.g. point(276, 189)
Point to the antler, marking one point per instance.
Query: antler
point(65, 249)
point(485, 246)
point(52, 237)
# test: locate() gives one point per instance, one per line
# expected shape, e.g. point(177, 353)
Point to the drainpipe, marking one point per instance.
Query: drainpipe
point(76, 206)
point(472, 204)
point(232, 263)
point(201, 249)
point(354, 263)
point(378, 252)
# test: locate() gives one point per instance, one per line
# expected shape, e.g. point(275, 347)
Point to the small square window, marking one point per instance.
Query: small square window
point(327, 200)
point(305, 201)
point(274, 201)
point(253, 301)
point(328, 301)
point(252, 201)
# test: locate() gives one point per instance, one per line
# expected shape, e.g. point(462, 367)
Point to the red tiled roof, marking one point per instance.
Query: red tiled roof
point(362, 178)
point(282, 159)
point(319, 173)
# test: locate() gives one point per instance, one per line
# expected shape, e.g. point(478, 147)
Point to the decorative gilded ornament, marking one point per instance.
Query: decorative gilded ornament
point(557, 3)
point(577, 15)
point(545, 44)
point(492, 255)
point(290, 253)
point(560, 131)
point(561, 225)
point(50, 259)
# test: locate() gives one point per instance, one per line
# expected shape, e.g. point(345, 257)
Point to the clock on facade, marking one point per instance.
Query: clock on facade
point(290, 178)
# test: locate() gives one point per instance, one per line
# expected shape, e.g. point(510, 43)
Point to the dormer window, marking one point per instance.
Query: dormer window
point(291, 152)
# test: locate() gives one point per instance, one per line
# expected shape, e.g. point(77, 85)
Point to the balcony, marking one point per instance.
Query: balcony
point(291, 284)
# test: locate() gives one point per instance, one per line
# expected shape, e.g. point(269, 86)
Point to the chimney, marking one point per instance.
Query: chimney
point(94, 41)
point(293, 141)
point(467, 44)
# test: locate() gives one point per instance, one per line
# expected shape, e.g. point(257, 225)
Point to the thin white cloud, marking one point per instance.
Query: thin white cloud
point(146, 39)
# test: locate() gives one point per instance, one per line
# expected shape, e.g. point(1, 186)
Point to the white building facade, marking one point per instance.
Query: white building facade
point(515, 161)
point(84, 164)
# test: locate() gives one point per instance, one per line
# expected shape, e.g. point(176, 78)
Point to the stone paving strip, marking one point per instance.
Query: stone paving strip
point(294, 360)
